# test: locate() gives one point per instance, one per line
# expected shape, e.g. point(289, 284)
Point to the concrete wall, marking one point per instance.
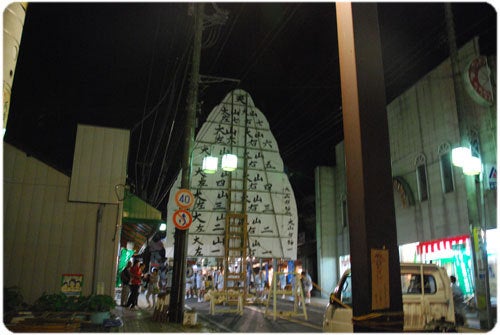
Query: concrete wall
point(340, 191)
point(423, 123)
point(327, 255)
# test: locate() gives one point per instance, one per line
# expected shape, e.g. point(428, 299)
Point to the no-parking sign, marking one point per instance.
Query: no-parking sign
point(182, 219)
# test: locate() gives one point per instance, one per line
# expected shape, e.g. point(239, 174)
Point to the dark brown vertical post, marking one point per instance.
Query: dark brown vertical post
point(372, 223)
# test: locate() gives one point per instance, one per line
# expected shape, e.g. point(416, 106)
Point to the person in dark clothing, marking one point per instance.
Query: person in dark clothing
point(125, 278)
point(458, 301)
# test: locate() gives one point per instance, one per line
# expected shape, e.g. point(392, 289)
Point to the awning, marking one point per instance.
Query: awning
point(441, 244)
point(139, 221)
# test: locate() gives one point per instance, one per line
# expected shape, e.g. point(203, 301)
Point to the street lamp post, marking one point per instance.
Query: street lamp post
point(470, 162)
point(473, 189)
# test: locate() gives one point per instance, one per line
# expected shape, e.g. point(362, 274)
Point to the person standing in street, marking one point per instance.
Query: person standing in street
point(458, 301)
point(189, 286)
point(282, 281)
point(220, 280)
point(125, 278)
point(153, 287)
point(200, 285)
point(135, 283)
point(307, 285)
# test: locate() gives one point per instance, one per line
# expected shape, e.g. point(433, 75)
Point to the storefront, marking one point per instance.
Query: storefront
point(452, 253)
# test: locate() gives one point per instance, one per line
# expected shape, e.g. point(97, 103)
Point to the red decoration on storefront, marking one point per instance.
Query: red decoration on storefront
point(440, 244)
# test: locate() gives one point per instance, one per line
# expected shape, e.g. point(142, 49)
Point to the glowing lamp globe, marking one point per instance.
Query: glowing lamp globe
point(472, 167)
point(229, 162)
point(210, 164)
point(460, 155)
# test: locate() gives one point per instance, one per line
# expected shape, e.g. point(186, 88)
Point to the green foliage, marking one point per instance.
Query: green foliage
point(59, 302)
point(75, 304)
point(13, 299)
point(51, 302)
point(99, 303)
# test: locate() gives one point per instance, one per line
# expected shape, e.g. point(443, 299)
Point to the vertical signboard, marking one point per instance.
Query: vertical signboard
point(380, 279)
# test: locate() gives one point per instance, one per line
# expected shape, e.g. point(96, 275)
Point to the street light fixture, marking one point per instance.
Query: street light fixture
point(462, 157)
point(229, 162)
point(471, 166)
point(210, 164)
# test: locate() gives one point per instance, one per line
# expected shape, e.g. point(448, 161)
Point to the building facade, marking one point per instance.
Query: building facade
point(429, 191)
point(56, 226)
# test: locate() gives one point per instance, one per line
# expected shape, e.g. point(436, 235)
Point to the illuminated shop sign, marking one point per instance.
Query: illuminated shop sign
point(441, 244)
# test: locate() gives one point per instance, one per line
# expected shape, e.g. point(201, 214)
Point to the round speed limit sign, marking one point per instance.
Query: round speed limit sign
point(184, 198)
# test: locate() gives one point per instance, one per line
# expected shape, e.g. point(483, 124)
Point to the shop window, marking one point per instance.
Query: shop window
point(446, 168)
point(411, 283)
point(422, 184)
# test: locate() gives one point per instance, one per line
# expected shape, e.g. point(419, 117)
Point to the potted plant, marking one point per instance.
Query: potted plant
point(56, 302)
point(13, 302)
point(100, 306)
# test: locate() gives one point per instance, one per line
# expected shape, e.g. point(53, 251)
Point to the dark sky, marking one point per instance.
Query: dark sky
point(115, 64)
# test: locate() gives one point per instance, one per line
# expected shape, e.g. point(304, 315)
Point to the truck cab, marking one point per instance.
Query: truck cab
point(426, 294)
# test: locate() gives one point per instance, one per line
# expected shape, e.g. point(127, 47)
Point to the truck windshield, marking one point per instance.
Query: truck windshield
point(410, 284)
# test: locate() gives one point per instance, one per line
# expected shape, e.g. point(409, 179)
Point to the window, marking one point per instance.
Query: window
point(422, 183)
point(344, 213)
point(446, 168)
point(421, 170)
point(411, 283)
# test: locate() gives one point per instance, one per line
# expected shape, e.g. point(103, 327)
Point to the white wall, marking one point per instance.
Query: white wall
point(45, 235)
point(420, 121)
point(327, 255)
point(99, 164)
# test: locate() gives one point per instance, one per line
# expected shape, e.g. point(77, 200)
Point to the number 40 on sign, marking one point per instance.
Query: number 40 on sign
point(184, 198)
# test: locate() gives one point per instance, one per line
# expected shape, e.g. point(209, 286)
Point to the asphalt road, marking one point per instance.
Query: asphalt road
point(256, 320)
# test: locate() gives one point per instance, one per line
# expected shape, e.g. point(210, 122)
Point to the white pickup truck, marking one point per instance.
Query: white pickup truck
point(427, 307)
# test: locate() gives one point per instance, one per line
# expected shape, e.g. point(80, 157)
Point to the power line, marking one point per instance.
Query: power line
point(146, 101)
point(264, 45)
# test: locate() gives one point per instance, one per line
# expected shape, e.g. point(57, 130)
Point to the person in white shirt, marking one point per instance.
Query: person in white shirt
point(200, 285)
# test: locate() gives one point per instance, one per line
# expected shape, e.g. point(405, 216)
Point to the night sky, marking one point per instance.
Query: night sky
point(115, 64)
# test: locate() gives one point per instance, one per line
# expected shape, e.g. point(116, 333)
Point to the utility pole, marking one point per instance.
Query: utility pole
point(372, 227)
point(473, 188)
point(176, 309)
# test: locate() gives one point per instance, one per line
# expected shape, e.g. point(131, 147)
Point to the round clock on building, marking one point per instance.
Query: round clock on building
point(477, 80)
